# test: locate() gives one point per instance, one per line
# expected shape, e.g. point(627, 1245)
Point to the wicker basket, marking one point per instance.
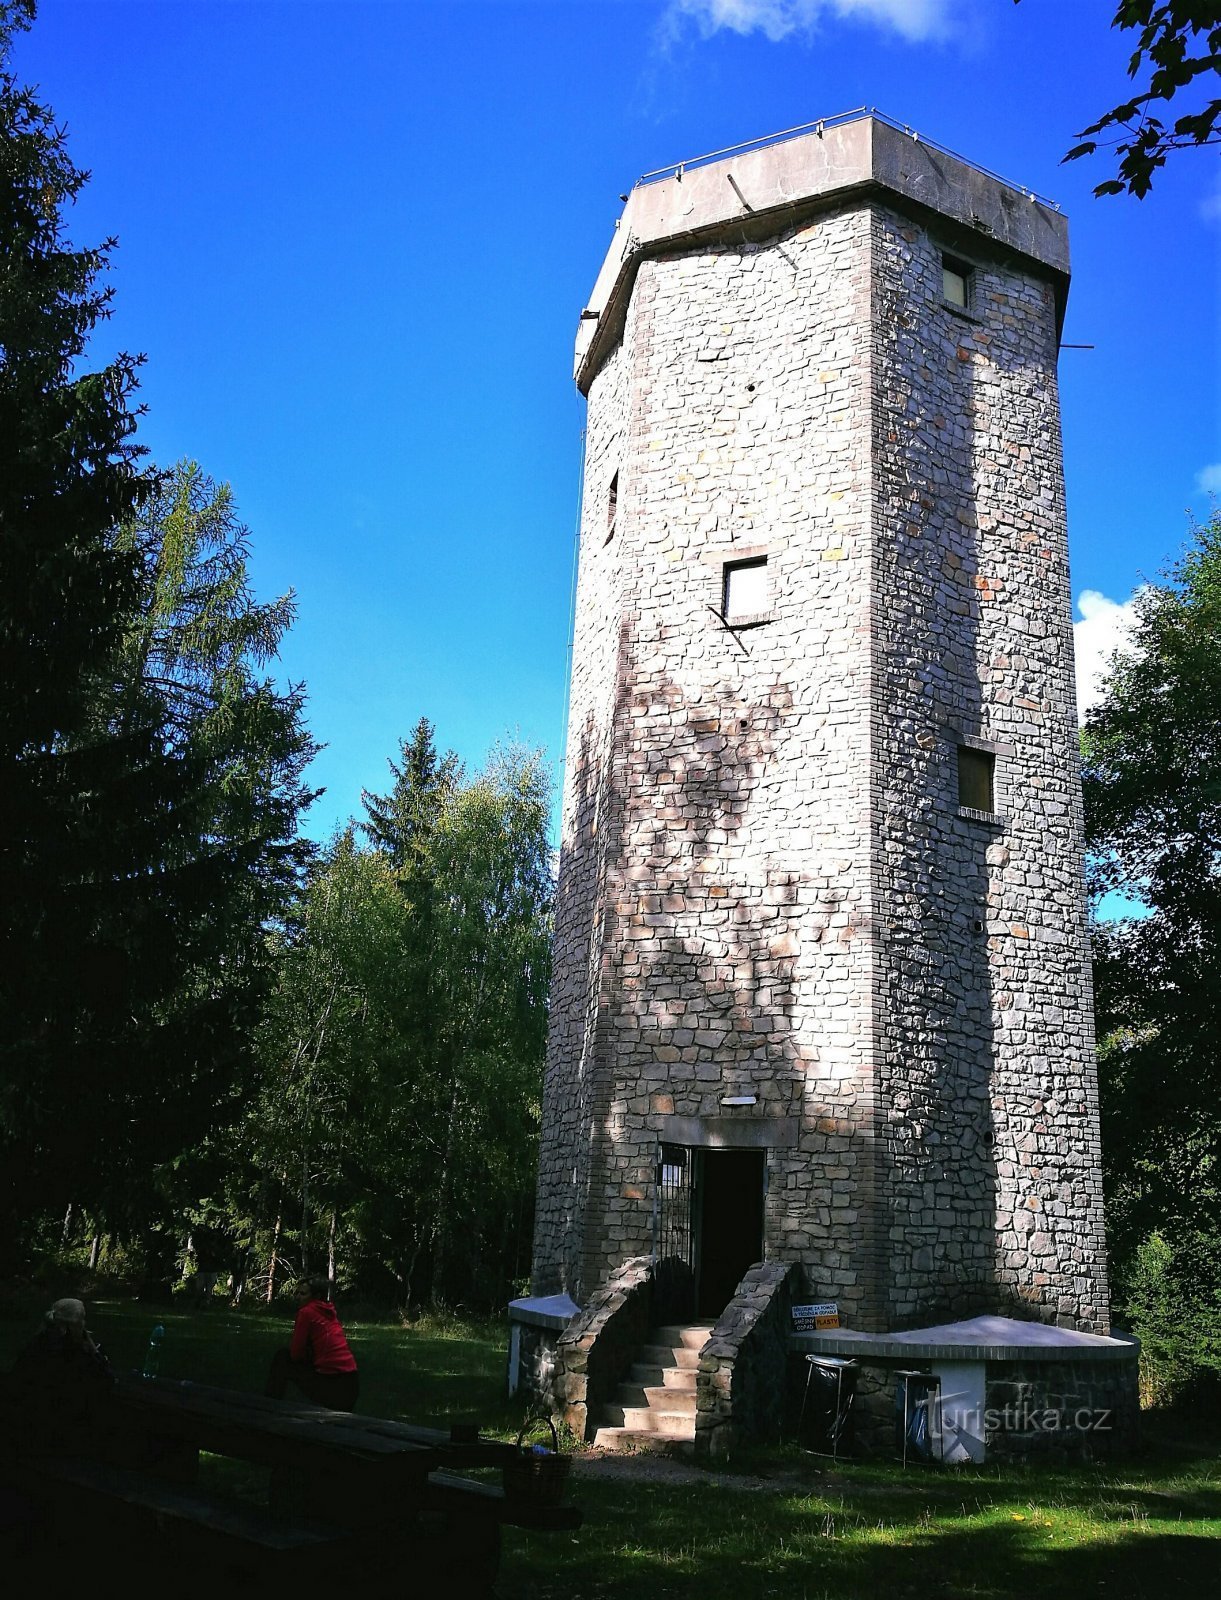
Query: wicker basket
point(538, 1475)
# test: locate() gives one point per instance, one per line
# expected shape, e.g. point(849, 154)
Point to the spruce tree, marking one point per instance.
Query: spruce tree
point(401, 822)
point(69, 471)
point(149, 795)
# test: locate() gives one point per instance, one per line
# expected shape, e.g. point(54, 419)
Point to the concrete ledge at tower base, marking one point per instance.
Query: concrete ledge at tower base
point(1037, 1391)
point(535, 1325)
point(974, 1339)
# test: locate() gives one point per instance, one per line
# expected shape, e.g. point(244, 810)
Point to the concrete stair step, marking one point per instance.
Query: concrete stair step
point(688, 1336)
point(630, 1440)
point(631, 1394)
point(681, 1401)
point(664, 1355)
point(650, 1375)
point(644, 1419)
point(656, 1398)
point(655, 1409)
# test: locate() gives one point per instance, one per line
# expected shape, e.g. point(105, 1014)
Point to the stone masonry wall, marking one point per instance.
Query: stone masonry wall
point(992, 1155)
point(1060, 1408)
point(595, 1351)
point(767, 886)
point(1031, 1408)
point(574, 1100)
point(736, 886)
point(741, 1385)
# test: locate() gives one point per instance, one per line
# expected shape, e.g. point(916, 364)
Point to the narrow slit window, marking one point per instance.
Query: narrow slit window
point(955, 282)
point(744, 597)
point(612, 505)
point(976, 779)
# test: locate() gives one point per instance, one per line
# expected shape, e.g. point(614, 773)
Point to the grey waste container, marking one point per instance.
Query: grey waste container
point(918, 1416)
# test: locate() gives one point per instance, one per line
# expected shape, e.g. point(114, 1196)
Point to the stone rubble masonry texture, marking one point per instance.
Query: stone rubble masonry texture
point(767, 885)
point(1070, 1408)
point(597, 1348)
point(741, 1385)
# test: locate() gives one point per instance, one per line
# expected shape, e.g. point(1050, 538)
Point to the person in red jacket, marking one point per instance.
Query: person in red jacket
point(318, 1359)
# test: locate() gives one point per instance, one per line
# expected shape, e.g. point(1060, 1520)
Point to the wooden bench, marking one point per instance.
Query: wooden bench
point(358, 1496)
point(154, 1528)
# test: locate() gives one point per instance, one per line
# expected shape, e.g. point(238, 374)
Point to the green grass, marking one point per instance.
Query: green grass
point(433, 1371)
point(856, 1531)
point(778, 1524)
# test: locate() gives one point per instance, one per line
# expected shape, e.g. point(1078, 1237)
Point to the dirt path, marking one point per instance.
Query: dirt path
point(610, 1467)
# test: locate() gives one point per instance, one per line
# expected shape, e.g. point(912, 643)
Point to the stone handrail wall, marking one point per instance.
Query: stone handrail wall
point(743, 1367)
point(597, 1348)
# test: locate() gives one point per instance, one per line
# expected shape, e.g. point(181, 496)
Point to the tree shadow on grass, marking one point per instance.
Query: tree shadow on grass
point(718, 1544)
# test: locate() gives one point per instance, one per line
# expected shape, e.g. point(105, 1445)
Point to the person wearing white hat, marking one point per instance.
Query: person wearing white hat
point(64, 1375)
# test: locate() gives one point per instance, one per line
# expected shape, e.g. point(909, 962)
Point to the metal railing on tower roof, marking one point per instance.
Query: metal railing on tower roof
point(820, 125)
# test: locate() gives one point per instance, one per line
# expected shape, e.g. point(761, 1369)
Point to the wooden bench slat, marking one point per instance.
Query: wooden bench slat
point(447, 1492)
point(288, 1418)
point(189, 1406)
point(190, 1506)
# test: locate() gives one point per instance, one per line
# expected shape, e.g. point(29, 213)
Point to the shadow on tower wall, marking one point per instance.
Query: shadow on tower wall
point(964, 544)
point(678, 935)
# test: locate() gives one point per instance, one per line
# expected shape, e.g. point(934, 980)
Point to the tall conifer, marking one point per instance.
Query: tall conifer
point(149, 791)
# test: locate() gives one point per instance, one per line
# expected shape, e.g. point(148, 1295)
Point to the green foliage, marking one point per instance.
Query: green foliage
point(77, 811)
point(1172, 1302)
point(402, 822)
point(396, 1125)
point(1152, 760)
point(1178, 44)
point(150, 778)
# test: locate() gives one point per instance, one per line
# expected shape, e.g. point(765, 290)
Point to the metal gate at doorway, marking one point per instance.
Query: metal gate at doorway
point(707, 1227)
point(673, 1243)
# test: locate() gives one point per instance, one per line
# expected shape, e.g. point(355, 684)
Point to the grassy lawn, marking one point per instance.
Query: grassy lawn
point(433, 1372)
point(782, 1524)
point(1149, 1530)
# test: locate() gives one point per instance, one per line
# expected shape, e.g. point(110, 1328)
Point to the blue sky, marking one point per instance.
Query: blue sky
point(355, 236)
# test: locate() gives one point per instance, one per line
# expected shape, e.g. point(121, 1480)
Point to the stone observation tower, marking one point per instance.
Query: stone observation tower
point(821, 990)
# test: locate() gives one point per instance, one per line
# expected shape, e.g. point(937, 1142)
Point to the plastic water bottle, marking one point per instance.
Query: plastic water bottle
point(152, 1356)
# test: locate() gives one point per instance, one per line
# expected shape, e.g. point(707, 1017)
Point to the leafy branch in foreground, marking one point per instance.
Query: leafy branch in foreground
point(1180, 43)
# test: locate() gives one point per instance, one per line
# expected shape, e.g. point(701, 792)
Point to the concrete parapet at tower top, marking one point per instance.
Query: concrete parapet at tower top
point(762, 190)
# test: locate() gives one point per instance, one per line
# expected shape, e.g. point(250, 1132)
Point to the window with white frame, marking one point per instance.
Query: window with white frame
point(744, 595)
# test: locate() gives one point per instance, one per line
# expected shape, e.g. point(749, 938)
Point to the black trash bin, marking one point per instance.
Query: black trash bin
point(825, 1425)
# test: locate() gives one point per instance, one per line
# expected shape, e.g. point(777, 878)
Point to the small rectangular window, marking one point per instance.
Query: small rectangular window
point(976, 779)
point(745, 595)
point(955, 282)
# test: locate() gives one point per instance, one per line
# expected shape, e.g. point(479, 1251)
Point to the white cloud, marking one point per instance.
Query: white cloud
point(1105, 627)
point(1208, 479)
point(777, 19)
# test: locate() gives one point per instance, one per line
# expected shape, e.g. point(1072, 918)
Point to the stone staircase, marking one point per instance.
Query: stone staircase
point(654, 1408)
